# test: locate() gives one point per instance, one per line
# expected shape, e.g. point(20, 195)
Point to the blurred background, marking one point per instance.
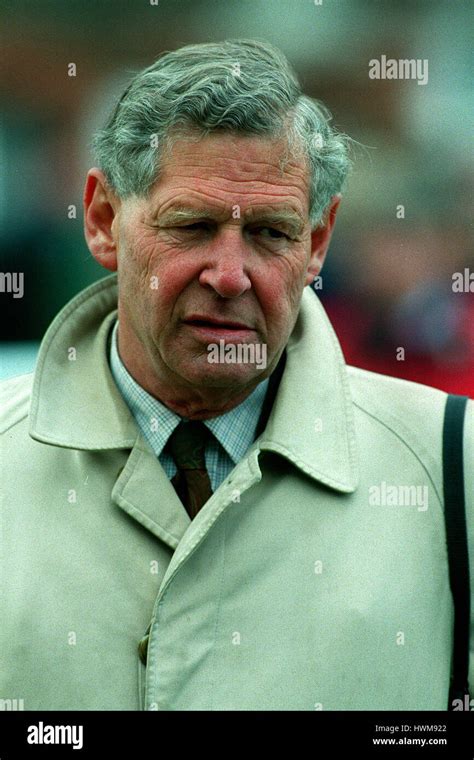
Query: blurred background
point(388, 281)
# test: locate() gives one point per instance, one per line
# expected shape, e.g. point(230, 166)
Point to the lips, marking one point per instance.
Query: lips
point(215, 323)
point(210, 329)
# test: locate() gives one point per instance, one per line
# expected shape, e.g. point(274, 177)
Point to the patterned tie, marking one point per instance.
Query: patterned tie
point(191, 482)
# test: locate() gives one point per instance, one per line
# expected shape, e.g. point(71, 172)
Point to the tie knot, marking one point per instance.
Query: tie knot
point(187, 444)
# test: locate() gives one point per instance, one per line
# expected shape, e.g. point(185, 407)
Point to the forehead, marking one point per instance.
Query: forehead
point(232, 169)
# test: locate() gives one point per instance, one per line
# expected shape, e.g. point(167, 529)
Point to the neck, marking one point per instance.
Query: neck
point(198, 406)
point(194, 403)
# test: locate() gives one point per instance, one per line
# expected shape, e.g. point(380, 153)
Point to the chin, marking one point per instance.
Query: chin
point(222, 375)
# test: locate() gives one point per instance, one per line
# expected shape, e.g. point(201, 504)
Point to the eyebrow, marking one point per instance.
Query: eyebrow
point(290, 219)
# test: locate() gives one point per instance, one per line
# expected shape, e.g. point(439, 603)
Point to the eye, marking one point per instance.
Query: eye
point(194, 227)
point(273, 233)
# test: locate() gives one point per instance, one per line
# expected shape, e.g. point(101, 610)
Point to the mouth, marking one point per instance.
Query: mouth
point(212, 327)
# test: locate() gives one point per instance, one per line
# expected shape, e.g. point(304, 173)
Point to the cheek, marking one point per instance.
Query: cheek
point(153, 270)
point(136, 258)
point(279, 288)
point(275, 306)
point(173, 277)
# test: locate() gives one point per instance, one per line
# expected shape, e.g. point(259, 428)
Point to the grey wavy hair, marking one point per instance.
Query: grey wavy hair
point(241, 86)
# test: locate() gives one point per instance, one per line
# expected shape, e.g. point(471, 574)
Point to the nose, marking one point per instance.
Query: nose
point(225, 269)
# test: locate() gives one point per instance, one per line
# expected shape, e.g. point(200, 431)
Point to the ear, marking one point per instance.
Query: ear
point(320, 239)
point(100, 207)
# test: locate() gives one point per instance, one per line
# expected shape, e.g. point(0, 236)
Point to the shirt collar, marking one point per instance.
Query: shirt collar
point(234, 430)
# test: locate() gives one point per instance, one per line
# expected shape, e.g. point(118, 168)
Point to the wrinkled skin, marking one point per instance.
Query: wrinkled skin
point(234, 259)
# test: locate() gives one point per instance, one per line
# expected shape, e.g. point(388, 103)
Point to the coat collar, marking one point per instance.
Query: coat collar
point(312, 422)
point(76, 404)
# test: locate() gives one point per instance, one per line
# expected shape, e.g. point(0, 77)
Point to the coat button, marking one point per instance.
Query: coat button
point(143, 646)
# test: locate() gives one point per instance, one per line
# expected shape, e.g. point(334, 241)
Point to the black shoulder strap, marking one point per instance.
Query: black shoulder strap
point(456, 537)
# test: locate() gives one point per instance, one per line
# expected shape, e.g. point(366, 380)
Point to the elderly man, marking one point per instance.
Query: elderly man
point(204, 507)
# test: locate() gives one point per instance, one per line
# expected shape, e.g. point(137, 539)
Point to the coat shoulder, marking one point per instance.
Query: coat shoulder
point(15, 398)
point(413, 413)
point(392, 396)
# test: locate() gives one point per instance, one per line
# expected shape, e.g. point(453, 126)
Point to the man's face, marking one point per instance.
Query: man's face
point(220, 251)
